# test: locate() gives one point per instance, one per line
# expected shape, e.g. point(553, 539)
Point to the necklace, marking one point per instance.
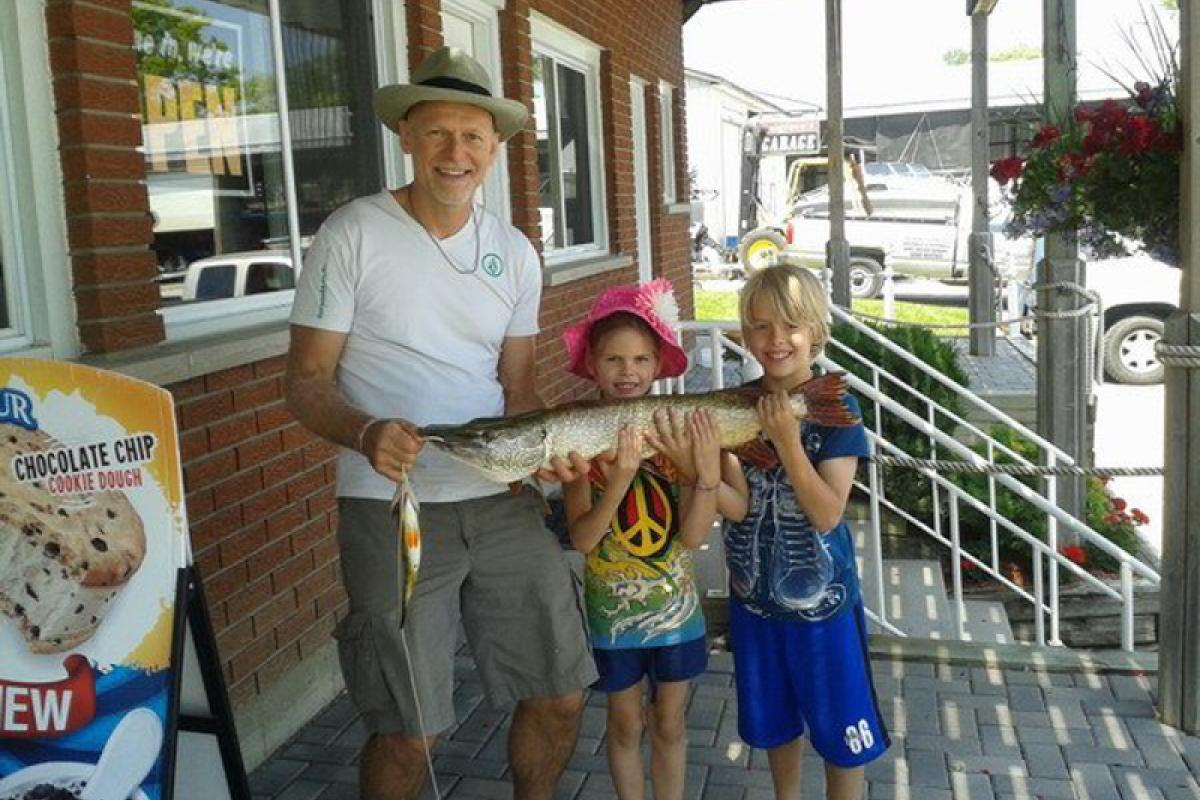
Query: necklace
point(453, 264)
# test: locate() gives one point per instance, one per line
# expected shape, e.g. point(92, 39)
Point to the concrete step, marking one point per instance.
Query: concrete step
point(916, 600)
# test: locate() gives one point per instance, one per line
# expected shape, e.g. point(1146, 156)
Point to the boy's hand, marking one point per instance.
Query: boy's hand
point(672, 437)
point(778, 421)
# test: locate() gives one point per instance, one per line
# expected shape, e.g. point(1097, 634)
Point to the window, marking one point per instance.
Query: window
point(226, 172)
point(570, 149)
point(666, 115)
point(217, 282)
point(36, 307)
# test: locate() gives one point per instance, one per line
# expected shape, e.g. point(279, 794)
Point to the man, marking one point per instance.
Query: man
point(417, 307)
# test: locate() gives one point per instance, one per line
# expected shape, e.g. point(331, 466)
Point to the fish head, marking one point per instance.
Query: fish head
point(504, 453)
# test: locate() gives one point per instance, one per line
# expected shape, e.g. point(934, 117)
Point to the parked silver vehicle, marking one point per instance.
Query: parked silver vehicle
point(919, 227)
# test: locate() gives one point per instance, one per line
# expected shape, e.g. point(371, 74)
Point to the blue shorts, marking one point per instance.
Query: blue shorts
point(623, 667)
point(794, 675)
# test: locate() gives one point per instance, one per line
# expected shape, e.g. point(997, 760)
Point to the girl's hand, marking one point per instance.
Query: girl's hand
point(706, 447)
point(621, 469)
point(778, 422)
point(672, 437)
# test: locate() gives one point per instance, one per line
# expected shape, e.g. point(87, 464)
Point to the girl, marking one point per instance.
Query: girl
point(796, 614)
point(637, 529)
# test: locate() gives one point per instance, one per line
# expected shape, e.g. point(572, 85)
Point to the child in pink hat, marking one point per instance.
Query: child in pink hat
point(637, 529)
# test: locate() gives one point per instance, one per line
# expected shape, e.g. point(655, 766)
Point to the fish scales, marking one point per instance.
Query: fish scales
point(510, 448)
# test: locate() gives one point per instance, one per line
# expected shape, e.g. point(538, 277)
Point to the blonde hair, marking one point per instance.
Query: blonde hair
point(793, 293)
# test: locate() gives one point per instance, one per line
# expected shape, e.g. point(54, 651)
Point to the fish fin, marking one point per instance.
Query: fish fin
point(825, 399)
point(406, 512)
point(596, 477)
point(665, 467)
point(756, 453)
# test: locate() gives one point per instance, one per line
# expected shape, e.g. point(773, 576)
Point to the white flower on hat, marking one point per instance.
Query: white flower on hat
point(657, 298)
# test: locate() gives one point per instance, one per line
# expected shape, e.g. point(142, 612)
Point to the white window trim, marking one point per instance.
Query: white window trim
point(582, 55)
point(482, 14)
point(668, 154)
point(195, 320)
point(32, 208)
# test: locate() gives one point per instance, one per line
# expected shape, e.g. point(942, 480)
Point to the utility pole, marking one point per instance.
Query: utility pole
point(981, 275)
point(1064, 385)
point(837, 250)
point(1179, 638)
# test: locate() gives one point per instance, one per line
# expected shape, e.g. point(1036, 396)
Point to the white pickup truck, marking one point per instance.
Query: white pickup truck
point(919, 227)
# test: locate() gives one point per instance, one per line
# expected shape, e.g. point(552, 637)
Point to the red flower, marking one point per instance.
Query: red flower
point(967, 565)
point(1079, 164)
point(1139, 134)
point(1140, 517)
point(1082, 113)
point(1007, 169)
point(1047, 135)
point(1118, 504)
point(1076, 554)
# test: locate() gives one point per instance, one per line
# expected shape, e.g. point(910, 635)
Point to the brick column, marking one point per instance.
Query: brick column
point(424, 29)
point(516, 49)
point(108, 212)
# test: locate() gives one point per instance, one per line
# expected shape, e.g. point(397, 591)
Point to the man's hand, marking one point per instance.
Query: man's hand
point(391, 445)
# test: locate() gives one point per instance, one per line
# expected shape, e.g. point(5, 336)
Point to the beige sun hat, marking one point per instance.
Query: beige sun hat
point(449, 75)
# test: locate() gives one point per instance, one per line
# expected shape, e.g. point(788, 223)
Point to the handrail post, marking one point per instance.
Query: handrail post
point(1039, 599)
point(876, 545)
point(995, 531)
point(960, 609)
point(1126, 607)
point(718, 357)
point(1052, 543)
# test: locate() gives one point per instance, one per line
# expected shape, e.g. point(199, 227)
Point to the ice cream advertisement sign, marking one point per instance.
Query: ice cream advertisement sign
point(92, 538)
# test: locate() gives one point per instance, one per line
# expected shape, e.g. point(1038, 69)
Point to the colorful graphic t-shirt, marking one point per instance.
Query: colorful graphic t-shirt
point(779, 564)
point(639, 581)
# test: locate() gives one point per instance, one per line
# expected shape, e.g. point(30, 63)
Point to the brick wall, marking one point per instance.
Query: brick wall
point(108, 213)
point(262, 515)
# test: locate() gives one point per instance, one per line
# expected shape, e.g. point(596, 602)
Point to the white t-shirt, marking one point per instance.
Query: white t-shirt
point(423, 340)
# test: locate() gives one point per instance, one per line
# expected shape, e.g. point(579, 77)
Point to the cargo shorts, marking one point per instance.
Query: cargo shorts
point(490, 563)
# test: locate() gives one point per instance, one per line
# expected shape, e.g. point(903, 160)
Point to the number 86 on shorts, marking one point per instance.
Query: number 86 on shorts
point(859, 737)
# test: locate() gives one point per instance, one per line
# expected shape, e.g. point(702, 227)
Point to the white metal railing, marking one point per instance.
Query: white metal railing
point(881, 391)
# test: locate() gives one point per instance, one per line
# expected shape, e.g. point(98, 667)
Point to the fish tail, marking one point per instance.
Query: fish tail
point(406, 511)
point(825, 399)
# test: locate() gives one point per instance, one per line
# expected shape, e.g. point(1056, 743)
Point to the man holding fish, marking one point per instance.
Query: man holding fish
point(416, 306)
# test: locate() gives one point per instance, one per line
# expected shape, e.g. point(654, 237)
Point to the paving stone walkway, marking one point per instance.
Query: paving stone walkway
point(958, 733)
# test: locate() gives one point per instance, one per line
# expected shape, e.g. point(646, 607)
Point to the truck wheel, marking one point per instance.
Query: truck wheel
point(866, 277)
point(759, 248)
point(1129, 355)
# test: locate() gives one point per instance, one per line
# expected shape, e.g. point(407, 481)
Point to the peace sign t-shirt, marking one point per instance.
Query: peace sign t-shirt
point(640, 584)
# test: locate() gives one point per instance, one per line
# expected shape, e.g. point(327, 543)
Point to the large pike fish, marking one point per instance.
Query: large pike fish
point(508, 449)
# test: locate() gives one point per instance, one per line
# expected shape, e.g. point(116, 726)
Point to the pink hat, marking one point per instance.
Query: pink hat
point(653, 302)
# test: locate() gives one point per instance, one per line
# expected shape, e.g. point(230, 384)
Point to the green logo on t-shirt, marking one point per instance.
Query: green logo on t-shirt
point(493, 265)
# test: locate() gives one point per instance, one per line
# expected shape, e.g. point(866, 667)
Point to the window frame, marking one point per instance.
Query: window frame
point(33, 230)
point(563, 46)
point(195, 320)
point(668, 153)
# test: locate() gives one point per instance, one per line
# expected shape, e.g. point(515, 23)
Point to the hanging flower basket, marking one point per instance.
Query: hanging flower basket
point(1111, 175)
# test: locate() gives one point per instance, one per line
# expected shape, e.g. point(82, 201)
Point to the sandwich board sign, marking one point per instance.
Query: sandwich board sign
point(94, 563)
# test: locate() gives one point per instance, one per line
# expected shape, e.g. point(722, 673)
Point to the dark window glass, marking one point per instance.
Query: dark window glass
point(269, 277)
point(216, 282)
point(575, 157)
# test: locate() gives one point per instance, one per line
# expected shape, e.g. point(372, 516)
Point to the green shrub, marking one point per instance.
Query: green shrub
point(902, 482)
point(1106, 514)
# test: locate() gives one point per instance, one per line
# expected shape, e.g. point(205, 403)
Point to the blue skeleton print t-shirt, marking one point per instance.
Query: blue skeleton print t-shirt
point(779, 564)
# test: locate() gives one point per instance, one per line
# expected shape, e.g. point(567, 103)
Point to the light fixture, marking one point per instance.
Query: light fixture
point(980, 7)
